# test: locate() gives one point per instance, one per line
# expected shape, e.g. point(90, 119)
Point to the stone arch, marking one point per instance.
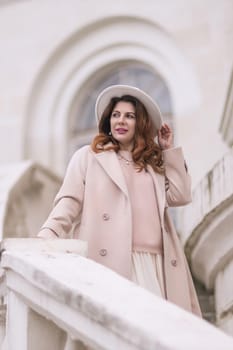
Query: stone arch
point(86, 53)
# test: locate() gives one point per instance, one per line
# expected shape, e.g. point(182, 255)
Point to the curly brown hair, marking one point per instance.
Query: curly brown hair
point(145, 150)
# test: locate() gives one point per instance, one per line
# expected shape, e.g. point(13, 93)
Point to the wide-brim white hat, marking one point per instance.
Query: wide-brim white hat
point(120, 90)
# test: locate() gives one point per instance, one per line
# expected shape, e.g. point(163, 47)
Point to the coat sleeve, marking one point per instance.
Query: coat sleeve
point(69, 199)
point(177, 179)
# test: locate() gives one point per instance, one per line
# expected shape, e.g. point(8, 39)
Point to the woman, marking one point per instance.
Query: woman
point(116, 193)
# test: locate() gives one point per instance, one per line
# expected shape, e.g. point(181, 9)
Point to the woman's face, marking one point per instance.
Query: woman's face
point(123, 123)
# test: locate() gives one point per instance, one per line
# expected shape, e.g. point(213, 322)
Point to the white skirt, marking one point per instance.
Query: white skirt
point(147, 272)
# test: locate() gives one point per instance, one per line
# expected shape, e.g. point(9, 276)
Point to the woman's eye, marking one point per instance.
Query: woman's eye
point(114, 115)
point(130, 116)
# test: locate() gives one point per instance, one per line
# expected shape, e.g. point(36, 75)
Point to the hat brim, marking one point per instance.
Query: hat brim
point(120, 90)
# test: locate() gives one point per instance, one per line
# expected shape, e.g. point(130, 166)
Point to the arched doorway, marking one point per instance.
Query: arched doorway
point(88, 60)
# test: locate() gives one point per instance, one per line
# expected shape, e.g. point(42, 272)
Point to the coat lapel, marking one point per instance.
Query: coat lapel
point(160, 191)
point(109, 162)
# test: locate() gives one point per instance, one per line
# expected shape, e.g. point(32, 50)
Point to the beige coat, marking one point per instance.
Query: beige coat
point(94, 199)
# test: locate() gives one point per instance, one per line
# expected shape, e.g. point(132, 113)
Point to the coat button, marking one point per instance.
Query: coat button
point(106, 216)
point(103, 252)
point(174, 262)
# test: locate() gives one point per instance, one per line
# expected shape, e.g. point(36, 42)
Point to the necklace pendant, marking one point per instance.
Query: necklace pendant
point(127, 162)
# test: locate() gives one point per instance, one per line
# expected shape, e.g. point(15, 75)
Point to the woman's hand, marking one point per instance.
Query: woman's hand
point(46, 233)
point(165, 137)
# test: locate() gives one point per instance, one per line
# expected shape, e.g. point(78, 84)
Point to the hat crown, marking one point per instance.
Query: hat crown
point(120, 90)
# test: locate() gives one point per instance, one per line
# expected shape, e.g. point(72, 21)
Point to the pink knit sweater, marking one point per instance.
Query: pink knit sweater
point(145, 213)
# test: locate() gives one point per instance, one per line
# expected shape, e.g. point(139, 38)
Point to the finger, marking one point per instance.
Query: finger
point(163, 129)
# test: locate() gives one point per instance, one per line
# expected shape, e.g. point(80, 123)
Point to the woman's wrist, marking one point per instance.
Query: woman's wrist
point(167, 147)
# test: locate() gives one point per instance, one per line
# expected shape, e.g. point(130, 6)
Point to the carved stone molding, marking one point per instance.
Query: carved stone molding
point(27, 191)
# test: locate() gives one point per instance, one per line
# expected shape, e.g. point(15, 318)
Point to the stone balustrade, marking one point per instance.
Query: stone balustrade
point(208, 237)
point(58, 299)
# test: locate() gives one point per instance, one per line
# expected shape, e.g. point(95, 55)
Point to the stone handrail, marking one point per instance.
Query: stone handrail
point(62, 300)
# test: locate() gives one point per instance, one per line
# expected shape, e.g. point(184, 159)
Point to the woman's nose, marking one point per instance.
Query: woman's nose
point(121, 118)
